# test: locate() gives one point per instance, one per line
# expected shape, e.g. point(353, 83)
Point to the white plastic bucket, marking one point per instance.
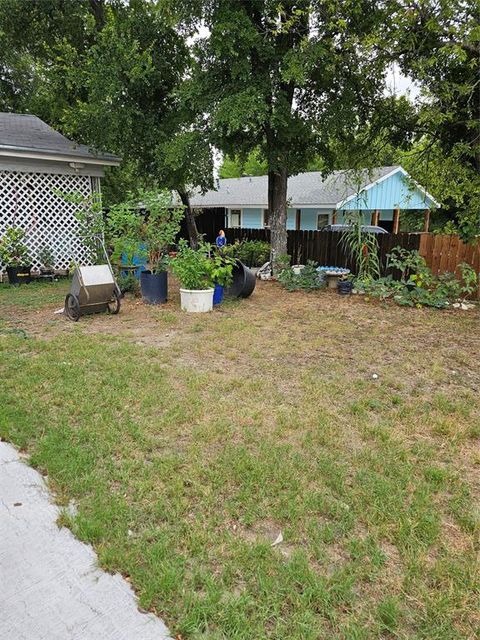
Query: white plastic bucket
point(297, 269)
point(196, 300)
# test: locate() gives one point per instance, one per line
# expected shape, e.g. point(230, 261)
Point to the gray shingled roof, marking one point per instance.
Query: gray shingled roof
point(305, 188)
point(24, 132)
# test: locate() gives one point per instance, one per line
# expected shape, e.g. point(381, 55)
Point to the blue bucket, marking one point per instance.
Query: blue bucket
point(139, 260)
point(218, 294)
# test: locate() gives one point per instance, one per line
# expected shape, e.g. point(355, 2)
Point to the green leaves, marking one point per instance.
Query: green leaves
point(197, 269)
point(308, 278)
point(362, 247)
point(13, 251)
point(193, 267)
point(161, 226)
point(436, 43)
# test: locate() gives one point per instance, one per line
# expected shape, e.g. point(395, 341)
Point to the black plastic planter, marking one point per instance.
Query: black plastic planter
point(344, 287)
point(244, 282)
point(154, 287)
point(19, 275)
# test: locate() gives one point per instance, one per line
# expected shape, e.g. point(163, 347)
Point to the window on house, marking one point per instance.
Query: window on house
point(266, 218)
point(322, 220)
point(235, 217)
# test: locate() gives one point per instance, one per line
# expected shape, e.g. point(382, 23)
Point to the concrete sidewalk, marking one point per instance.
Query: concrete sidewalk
point(50, 587)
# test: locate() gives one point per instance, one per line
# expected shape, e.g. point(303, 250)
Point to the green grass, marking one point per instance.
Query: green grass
point(187, 458)
point(34, 295)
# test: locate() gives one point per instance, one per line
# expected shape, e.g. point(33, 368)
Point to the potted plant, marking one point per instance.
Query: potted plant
point(345, 285)
point(194, 268)
point(154, 281)
point(222, 275)
point(47, 260)
point(14, 255)
point(159, 231)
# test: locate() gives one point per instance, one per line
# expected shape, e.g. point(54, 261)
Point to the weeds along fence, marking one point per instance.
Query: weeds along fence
point(326, 247)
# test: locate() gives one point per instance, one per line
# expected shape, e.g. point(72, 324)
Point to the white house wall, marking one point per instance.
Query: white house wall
point(28, 201)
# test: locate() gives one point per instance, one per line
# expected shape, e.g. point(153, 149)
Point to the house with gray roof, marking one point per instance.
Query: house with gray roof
point(37, 165)
point(380, 195)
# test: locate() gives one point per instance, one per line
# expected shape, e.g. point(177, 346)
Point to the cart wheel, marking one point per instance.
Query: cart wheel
point(114, 305)
point(72, 307)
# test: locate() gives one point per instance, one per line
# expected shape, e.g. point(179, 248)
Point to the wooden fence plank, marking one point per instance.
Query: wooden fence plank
point(437, 253)
point(457, 253)
point(444, 259)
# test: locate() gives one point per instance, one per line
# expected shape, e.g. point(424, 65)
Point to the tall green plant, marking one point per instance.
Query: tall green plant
point(124, 230)
point(193, 267)
point(161, 226)
point(91, 224)
point(362, 247)
point(407, 262)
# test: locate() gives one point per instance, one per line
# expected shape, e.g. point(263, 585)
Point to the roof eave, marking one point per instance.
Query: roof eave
point(36, 154)
point(292, 205)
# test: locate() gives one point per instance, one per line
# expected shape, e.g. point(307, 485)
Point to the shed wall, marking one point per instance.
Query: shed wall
point(28, 200)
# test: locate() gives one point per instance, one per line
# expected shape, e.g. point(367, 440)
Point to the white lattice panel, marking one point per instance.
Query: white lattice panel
point(28, 201)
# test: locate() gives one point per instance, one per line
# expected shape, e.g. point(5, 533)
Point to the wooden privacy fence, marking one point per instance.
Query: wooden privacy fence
point(326, 247)
point(444, 253)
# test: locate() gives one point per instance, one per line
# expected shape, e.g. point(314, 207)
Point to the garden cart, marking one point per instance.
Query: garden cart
point(93, 290)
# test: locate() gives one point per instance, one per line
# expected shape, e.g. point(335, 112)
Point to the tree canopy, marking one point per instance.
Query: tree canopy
point(286, 79)
point(279, 88)
point(437, 43)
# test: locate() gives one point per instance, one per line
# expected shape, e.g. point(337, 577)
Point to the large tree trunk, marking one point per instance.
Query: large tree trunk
point(190, 219)
point(278, 216)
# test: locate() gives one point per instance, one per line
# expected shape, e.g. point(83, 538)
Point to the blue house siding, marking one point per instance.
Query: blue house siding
point(252, 218)
point(291, 217)
point(308, 220)
point(393, 192)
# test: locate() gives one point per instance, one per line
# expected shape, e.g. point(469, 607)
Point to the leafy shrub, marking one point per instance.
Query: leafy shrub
point(469, 278)
point(13, 251)
point(160, 227)
point(407, 262)
point(381, 288)
point(253, 253)
point(46, 257)
point(308, 279)
point(222, 270)
point(124, 229)
point(419, 287)
point(128, 283)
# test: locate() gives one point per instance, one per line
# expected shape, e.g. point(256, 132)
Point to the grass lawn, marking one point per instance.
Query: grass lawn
point(188, 443)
